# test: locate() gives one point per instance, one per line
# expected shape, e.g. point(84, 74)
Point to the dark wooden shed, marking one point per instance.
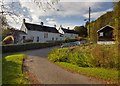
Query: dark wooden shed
point(106, 33)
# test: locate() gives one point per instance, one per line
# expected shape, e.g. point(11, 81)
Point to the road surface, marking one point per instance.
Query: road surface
point(49, 73)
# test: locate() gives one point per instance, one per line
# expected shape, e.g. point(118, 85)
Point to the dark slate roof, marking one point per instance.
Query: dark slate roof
point(35, 27)
point(107, 27)
point(17, 31)
point(69, 31)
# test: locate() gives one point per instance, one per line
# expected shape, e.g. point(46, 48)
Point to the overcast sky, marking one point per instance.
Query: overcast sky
point(67, 14)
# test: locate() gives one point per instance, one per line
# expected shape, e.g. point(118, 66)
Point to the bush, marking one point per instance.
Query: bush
point(105, 56)
point(70, 40)
point(58, 55)
point(28, 40)
point(69, 56)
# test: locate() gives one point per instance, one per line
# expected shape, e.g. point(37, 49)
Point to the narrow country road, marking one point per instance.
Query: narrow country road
point(49, 73)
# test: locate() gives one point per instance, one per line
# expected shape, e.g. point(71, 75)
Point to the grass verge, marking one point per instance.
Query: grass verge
point(12, 70)
point(100, 73)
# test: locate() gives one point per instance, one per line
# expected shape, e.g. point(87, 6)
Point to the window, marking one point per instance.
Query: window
point(33, 38)
point(37, 39)
point(53, 38)
point(101, 33)
point(61, 35)
point(56, 38)
point(23, 37)
point(45, 35)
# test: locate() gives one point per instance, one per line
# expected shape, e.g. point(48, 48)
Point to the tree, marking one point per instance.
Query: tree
point(117, 21)
point(93, 31)
point(82, 31)
point(117, 29)
point(3, 25)
point(103, 20)
point(46, 4)
point(8, 9)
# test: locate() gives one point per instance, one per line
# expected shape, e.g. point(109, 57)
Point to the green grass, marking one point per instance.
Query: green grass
point(94, 55)
point(101, 73)
point(12, 69)
point(99, 61)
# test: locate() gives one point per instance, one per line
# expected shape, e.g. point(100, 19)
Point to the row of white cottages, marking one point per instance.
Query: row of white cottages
point(41, 33)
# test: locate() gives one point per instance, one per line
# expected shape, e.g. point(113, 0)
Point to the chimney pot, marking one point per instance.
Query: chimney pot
point(42, 23)
point(61, 26)
point(55, 26)
point(68, 28)
point(23, 20)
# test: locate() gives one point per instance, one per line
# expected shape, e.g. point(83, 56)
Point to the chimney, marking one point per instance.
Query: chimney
point(42, 23)
point(55, 26)
point(23, 20)
point(68, 28)
point(60, 26)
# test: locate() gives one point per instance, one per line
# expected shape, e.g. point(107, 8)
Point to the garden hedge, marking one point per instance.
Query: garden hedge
point(26, 46)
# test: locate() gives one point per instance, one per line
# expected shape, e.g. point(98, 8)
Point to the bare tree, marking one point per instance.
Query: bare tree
point(46, 4)
point(5, 11)
point(42, 4)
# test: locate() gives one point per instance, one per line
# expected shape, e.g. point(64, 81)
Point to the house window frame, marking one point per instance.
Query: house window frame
point(45, 35)
point(24, 37)
point(56, 38)
point(101, 34)
point(52, 38)
point(37, 38)
point(61, 35)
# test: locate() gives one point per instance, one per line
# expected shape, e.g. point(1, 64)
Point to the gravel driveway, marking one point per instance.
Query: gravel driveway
point(49, 73)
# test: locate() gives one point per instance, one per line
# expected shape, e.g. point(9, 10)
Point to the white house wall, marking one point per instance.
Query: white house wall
point(40, 34)
point(34, 34)
point(23, 28)
point(71, 36)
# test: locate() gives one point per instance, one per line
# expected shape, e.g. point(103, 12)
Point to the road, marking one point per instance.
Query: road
point(49, 73)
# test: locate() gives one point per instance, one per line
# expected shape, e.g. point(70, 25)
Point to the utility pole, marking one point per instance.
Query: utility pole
point(89, 20)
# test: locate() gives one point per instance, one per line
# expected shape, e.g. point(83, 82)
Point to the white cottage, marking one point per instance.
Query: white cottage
point(71, 34)
point(39, 33)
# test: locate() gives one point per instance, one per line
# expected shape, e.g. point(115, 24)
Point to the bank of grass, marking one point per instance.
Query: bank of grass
point(100, 73)
point(12, 70)
point(100, 61)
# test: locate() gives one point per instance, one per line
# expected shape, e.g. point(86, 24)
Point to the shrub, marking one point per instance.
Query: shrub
point(68, 55)
point(105, 56)
point(58, 55)
point(70, 40)
point(77, 59)
point(28, 40)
